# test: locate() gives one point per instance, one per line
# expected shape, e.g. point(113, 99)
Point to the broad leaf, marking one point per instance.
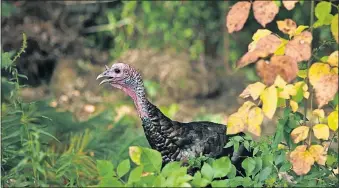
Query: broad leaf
point(123, 168)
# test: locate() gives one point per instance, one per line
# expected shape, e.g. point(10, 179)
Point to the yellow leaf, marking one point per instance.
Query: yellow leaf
point(319, 154)
point(333, 59)
point(260, 34)
point(336, 108)
point(253, 90)
point(332, 120)
point(291, 89)
point(269, 98)
point(243, 110)
point(294, 105)
point(281, 146)
point(300, 29)
point(302, 73)
point(135, 153)
point(235, 124)
point(281, 48)
point(334, 70)
point(319, 113)
point(284, 94)
point(321, 131)
point(301, 160)
point(306, 94)
point(279, 82)
point(334, 27)
point(318, 70)
point(305, 87)
point(299, 134)
point(255, 118)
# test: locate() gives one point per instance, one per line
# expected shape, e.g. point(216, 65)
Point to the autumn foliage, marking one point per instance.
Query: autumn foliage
point(277, 60)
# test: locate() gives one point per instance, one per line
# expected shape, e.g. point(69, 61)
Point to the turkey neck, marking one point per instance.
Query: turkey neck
point(137, 92)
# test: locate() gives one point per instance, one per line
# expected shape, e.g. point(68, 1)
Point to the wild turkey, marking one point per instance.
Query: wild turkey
point(175, 141)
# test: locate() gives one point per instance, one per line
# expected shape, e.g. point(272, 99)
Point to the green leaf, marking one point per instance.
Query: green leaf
point(264, 174)
point(334, 27)
point(322, 10)
point(207, 172)
point(258, 165)
point(330, 160)
point(318, 23)
point(278, 136)
point(238, 138)
point(170, 168)
point(278, 3)
point(249, 165)
point(135, 174)
point(267, 160)
point(108, 181)
point(236, 146)
point(247, 181)
point(299, 96)
point(196, 179)
point(324, 59)
point(280, 158)
point(285, 167)
point(123, 168)
point(247, 145)
point(221, 167)
point(255, 150)
point(235, 182)
point(6, 60)
point(219, 183)
point(229, 144)
point(151, 159)
point(328, 19)
point(232, 173)
point(105, 168)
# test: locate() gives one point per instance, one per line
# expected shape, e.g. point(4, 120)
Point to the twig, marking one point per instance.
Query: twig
point(308, 66)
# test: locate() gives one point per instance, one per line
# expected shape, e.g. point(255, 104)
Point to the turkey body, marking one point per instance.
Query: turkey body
point(175, 141)
point(181, 141)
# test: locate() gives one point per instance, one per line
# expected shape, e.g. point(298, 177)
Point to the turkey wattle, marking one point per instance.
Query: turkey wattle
point(174, 140)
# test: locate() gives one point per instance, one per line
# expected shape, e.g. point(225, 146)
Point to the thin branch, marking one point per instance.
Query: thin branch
point(308, 66)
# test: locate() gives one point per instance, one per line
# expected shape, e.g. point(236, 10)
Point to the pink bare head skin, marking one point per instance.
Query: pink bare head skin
point(126, 78)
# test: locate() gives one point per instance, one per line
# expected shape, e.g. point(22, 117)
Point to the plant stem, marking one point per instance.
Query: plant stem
point(308, 66)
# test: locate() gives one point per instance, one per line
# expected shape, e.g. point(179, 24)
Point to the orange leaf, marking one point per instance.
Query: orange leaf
point(284, 66)
point(299, 48)
point(237, 16)
point(264, 47)
point(301, 160)
point(319, 154)
point(325, 89)
point(289, 5)
point(287, 26)
point(300, 133)
point(265, 11)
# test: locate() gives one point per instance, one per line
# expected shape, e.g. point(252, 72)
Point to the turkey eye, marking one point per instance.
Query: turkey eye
point(117, 71)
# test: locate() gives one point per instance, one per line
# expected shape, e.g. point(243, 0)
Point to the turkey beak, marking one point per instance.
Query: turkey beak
point(104, 75)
